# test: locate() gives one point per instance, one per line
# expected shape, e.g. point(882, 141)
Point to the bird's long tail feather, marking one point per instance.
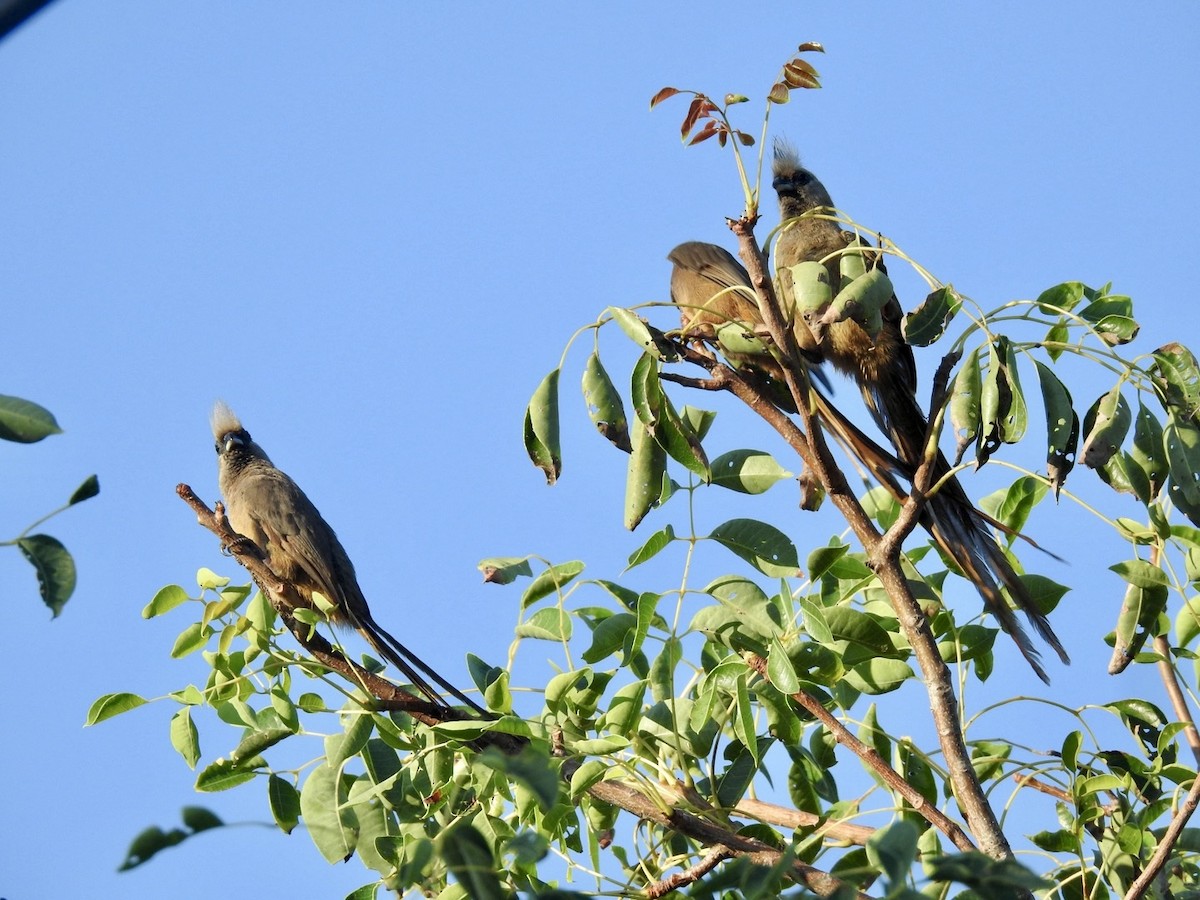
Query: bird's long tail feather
point(409, 663)
point(958, 528)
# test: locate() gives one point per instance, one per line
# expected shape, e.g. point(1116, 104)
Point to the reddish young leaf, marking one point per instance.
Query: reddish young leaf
point(747, 140)
point(710, 128)
point(722, 137)
point(695, 110)
point(663, 95)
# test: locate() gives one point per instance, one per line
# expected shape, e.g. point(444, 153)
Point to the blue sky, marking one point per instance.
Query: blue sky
point(372, 228)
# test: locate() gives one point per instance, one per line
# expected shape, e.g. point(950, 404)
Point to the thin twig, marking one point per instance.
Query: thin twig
point(711, 860)
point(1162, 853)
point(893, 779)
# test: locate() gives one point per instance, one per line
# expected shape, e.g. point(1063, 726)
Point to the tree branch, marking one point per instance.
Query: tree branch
point(893, 779)
point(722, 842)
point(938, 684)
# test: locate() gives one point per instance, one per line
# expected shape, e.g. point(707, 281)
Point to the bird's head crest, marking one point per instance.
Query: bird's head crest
point(223, 420)
point(787, 159)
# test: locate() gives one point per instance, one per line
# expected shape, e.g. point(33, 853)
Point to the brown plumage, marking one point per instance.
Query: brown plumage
point(710, 286)
point(266, 506)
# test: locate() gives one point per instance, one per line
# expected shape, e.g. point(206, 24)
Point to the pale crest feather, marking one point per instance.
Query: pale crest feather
point(786, 157)
point(223, 420)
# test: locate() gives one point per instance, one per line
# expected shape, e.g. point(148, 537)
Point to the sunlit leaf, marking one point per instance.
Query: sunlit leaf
point(644, 480)
point(551, 581)
point(504, 569)
point(663, 94)
point(747, 471)
point(763, 546)
point(541, 428)
point(604, 405)
point(1104, 428)
point(965, 403)
point(112, 705)
point(1060, 298)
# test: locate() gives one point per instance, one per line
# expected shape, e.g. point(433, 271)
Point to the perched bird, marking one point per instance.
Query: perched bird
point(717, 304)
point(883, 366)
point(266, 506)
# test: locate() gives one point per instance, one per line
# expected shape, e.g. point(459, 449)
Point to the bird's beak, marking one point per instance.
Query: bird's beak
point(233, 440)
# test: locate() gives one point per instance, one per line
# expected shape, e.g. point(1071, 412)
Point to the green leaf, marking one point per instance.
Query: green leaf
point(55, 569)
point(1013, 505)
point(1178, 380)
point(653, 545)
point(1144, 602)
point(1104, 428)
point(165, 600)
point(965, 398)
point(530, 767)
point(338, 747)
point(184, 736)
point(1112, 318)
point(225, 774)
point(331, 822)
point(1016, 420)
point(190, 640)
point(1062, 427)
point(625, 709)
point(656, 412)
point(743, 717)
point(25, 422)
point(644, 481)
point(862, 300)
point(471, 861)
point(284, 800)
point(550, 624)
point(1187, 622)
point(763, 546)
point(255, 741)
point(112, 705)
point(635, 329)
point(1181, 440)
point(504, 569)
point(928, 322)
point(893, 850)
point(588, 774)
point(804, 288)
point(879, 676)
point(541, 428)
point(1060, 298)
point(1148, 452)
point(609, 636)
point(148, 843)
point(604, 405)
point(551, 581)
point(199, 818)
point(747, 471)
point(780, 669)
point(995, 399)
point(86, 491)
